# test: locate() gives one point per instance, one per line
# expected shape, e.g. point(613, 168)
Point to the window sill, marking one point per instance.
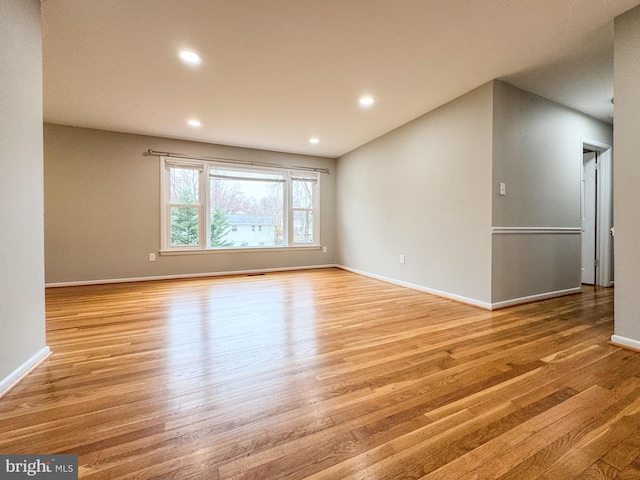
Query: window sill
point(208, 251)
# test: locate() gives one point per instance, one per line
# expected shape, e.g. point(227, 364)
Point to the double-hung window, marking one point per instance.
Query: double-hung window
point(183, 205)
point(214, 205)
point(303, 195)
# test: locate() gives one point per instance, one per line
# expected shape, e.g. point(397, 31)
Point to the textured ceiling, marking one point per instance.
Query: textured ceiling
point(277, 72)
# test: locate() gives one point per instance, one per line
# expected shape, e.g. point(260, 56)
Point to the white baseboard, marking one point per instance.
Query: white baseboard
point(420, 288)
point(625, 342)
point(467, 300)
point(431, 291)
point(185, 275)
point(23, 370)
point(534, 298)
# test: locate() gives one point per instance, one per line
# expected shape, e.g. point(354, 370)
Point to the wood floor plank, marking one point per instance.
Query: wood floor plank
point(632, 471)
point(324, 374)
point(515, 443)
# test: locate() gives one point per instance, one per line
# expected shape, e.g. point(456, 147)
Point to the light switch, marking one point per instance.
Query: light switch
point(503, 188)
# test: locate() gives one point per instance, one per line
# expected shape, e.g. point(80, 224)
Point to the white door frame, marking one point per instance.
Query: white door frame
point(604, 210)
point(589, 216)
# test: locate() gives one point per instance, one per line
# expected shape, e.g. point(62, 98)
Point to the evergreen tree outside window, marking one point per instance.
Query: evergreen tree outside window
point(220, 228)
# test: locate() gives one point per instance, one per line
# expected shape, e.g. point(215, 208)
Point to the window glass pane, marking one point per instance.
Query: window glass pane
point(302, 193)
point(184, 184)
point(185, 226)
point(303, 226)
point(238, 206)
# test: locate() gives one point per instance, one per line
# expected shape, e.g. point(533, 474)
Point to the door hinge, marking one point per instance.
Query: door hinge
point(596, 263)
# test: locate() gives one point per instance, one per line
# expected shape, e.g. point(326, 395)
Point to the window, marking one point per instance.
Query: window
point(184, 209)
point(302, 205)
point(211, 205)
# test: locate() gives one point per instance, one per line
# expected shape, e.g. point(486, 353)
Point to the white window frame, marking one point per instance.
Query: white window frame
point(203, 166)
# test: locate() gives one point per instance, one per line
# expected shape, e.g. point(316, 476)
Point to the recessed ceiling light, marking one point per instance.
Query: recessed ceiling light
point(314, 140)
point(366, 101)
point(190, 57)
point(195, 123)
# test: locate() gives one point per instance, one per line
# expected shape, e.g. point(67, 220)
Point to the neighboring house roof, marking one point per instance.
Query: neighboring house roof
point(242, 219)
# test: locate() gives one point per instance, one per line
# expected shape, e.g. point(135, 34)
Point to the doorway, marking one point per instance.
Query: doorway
point(596, 214)
point(590, 261)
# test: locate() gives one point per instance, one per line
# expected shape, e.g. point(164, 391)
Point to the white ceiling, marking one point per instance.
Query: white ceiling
point(277, 72)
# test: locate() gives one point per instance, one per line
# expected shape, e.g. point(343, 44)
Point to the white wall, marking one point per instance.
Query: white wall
point(537, 153)
point(22, 314)
point(102, 205)
point(423, 191)
point(627, 178)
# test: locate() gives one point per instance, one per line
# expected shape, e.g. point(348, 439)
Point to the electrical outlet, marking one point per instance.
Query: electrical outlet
point(402, 259)
point(324, 249)
point(152, 257)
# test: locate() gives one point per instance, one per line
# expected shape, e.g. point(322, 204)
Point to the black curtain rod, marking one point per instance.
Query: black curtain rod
point(155, 153)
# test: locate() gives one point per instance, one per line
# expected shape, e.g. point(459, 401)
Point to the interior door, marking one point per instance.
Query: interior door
point(589, 199)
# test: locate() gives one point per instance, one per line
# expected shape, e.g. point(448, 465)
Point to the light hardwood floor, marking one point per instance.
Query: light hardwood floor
point(325, 374)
